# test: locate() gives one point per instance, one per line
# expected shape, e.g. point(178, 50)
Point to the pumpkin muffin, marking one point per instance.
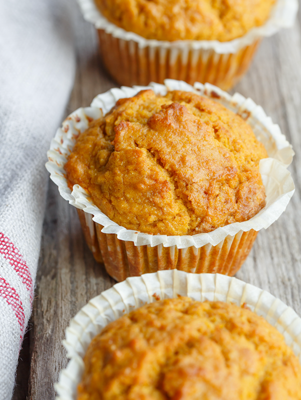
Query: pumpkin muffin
point(184, 349)
point(179, 164)
point(212, 41)
point(167, 20)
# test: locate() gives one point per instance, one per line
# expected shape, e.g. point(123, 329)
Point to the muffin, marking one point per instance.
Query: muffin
point(179, 164)
point(186, 19)
point(145, 41)
point(185, 349)
point(169, 179)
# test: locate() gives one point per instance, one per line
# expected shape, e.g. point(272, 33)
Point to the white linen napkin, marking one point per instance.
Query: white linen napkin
point(37, 65)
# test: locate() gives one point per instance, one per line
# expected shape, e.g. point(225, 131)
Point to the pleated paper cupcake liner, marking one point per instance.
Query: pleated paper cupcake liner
point(128, 253)
point(135, 292)
point(123, 259)
point(129, 64)
point(134, 60)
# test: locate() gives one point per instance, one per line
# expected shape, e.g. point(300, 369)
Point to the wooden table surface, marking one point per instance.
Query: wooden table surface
point(68, 277)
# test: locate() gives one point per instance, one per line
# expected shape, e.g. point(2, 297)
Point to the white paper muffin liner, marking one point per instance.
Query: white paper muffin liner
point(282, 16)
point(135, 292)
point(276, 178)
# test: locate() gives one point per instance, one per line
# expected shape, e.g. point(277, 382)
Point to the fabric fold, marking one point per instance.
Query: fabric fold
point(37, 61)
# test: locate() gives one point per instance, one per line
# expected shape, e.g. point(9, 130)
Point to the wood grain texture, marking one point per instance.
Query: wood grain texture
point(68, 276)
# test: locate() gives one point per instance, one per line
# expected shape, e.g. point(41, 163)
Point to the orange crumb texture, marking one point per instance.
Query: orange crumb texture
point(174, 165)
point(180, 349)
point(171, 20)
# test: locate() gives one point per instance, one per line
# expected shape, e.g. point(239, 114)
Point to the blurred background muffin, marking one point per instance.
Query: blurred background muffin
point(212, 41)
point(187, 19)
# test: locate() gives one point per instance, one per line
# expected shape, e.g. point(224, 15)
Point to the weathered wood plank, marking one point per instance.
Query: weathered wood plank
point(68, 276)
point(22, 378)
point(274, 82)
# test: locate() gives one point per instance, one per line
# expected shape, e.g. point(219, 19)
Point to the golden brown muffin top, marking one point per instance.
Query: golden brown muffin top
point(175, 165)
point(171, 20)
point(180, 349)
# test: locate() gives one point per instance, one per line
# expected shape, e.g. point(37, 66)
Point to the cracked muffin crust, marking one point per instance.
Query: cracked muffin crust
point(180, 349)
point(170, 20)
point(177, 164)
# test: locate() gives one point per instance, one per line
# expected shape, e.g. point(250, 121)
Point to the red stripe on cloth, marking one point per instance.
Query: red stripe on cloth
point(12, 298)
point(16, 260)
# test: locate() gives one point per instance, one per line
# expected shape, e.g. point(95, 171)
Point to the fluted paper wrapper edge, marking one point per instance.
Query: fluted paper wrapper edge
point(135, 292)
